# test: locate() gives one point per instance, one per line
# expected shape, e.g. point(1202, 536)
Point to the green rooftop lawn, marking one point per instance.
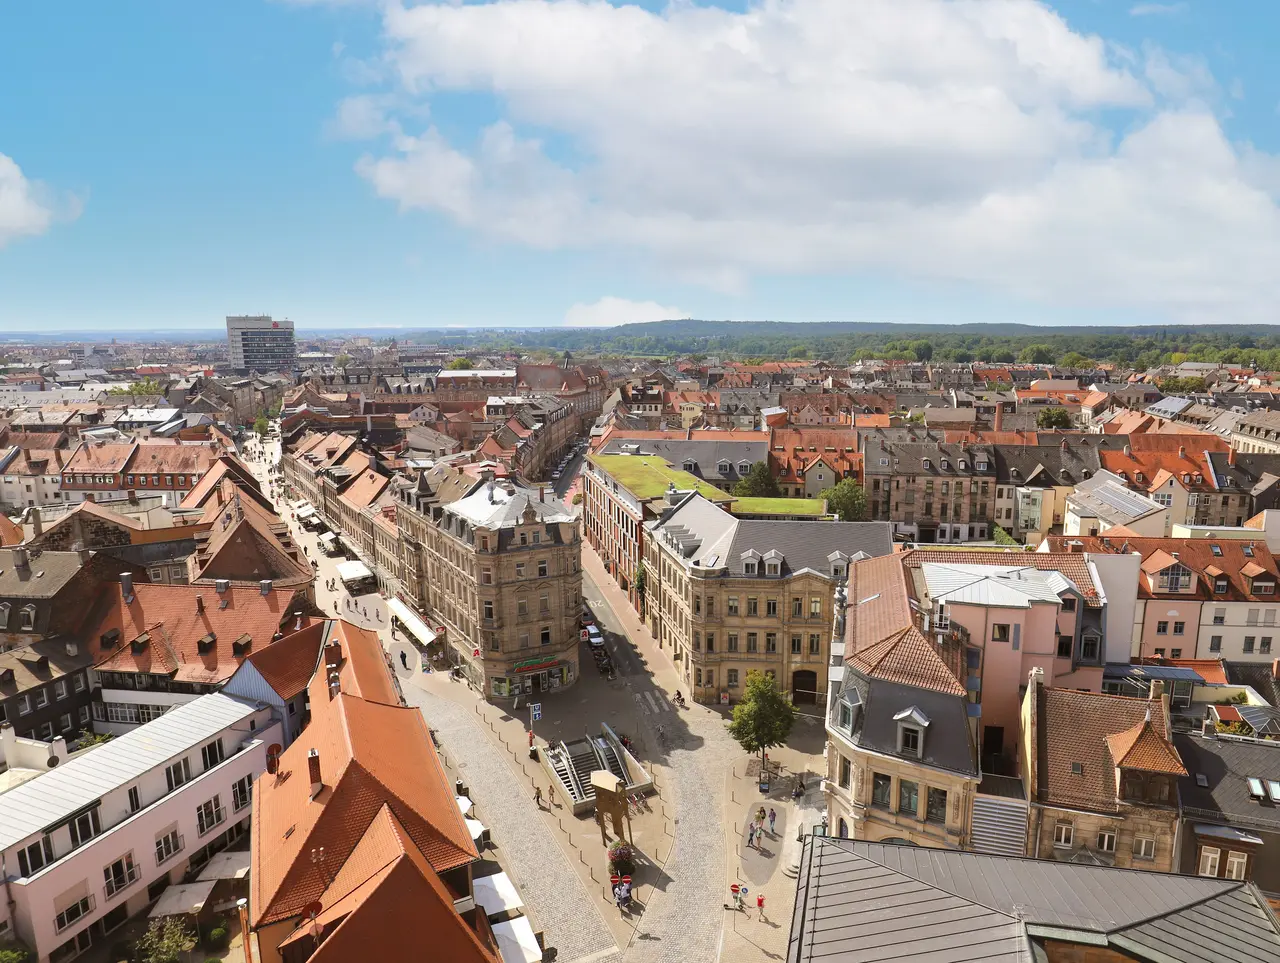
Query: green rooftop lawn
point(809, 507)
point(648, 476)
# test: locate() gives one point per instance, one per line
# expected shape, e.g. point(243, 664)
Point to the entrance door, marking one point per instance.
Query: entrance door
point(804, 684)
point(992, 740)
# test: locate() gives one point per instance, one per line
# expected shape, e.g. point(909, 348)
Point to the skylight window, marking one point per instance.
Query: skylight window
point(1273, 790)
point(1248, 551)
point(1202, 780)
point(1217, 550)
point(1255, 788)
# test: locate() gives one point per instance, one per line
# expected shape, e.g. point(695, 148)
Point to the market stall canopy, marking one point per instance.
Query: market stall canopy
point(496, 893)
point(226, 865)
point(464, 804)
point(516, 942)
point(353, 571)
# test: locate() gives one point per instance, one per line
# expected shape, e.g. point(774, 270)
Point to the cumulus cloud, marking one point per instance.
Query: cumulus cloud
point(609, 312)
point(916, 138)
point(1158, 9)
point(24, 208)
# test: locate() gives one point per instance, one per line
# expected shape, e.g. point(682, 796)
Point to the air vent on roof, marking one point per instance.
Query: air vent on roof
point(140, 643)
point(206, 642)
point(221, 585)
point(242, 645)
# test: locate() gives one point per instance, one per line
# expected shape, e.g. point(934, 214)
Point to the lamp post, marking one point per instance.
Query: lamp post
point(242, 906)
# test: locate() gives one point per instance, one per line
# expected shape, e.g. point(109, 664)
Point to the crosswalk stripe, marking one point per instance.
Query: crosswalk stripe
point(658, 705)
point(641, 703)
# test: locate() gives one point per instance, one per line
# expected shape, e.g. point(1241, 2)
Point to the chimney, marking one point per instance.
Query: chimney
point(1064, 444)
point(199, 605)
point(1231, 456)
point(20, 558)
point(265, 586)
point(999, 419)
point(1128, 451)
point(89, 497)
point(333, 654)
point(8, 744)
point(133, 497)
point(297, 625)
point(126, 586)
point(1182, 451)
point(37, 523)
point(1208, 729)
point(542, 493)
point(313, 768)
point(1157, 689)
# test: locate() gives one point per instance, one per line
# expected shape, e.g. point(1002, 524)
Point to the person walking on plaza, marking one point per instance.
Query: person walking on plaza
point(551, 796)
point(773, 816)
point(751, 835)
point(537, 795)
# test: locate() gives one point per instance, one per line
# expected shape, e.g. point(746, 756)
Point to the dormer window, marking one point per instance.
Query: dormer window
point(27, 617)
point(744, 468)
point(1263, 588)
point(772, 568)
point(946, 465)
point(912, 724)
point(964, 465)
point(982, 466)
point(1220, 585)
point(749, 567)
point(690, 465)
point(723, 467)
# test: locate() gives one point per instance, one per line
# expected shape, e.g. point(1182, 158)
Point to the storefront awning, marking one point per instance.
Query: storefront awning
point(411, 621)
point(328, 537)
point(353, 571)
point(306, 511)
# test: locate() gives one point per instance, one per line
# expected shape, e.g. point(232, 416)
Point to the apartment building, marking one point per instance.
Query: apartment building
point(1202, 598)
point(31, 477)
point(532, 434)
point(1104, 502)
point(1101, 773)
point(719, 458)
point(1032, 485)
point(620, 493)
point(807, 461)
point(931, 492)
point(92, 842)
point(45, 690)
point(112, 471)
point(1176, 472)
point(314, 453)
point(498, 566)
point(1246, 484)
point(727, 596)
point(359, 850)
point(258, 343)
point(42, 594)
point(1258, 432)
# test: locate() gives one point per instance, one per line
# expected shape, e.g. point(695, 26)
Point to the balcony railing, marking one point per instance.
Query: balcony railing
point(116, 883)
point(207, 825)
point(66, 919)
point(164, 854)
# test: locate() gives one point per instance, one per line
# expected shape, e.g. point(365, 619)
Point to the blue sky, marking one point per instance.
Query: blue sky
point(363, 164)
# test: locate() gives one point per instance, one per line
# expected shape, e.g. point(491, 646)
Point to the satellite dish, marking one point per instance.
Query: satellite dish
point(53, 762)
point(273, 757)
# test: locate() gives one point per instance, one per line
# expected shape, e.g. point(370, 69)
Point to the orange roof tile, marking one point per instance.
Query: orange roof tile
point(1143, 748)
point(10, 534)
point(1073, 565)
point(366, 488)
point(879, 603)
point(288, 665)
point(908, 658)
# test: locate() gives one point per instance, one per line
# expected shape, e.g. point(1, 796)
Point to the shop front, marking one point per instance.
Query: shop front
point(532, 676)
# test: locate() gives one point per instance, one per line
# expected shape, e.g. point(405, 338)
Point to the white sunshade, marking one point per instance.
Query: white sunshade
point(306, 511)
point(464, 804)
point(516, 942)
point(353, 571)
point(232, 864)
point(186, 899)
point(420, 630)
point(329, 537)
point(475, 827)
point(496, 894)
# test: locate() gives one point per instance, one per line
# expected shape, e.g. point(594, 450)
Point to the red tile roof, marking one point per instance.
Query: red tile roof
point(100, 458)
point(1141, 747)
point(908, 658)
point(1073, 565)
point(879, 603)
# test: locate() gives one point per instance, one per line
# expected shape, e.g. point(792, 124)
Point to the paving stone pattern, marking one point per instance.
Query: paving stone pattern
point(549, 885)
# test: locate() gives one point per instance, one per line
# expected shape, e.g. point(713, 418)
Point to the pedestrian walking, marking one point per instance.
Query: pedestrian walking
point(537, 796)
point(751, 834)
point(760, 906)
point(551, 795)
point(773, 817)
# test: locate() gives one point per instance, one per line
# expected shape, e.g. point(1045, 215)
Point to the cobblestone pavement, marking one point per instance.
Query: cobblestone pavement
point(551, 889)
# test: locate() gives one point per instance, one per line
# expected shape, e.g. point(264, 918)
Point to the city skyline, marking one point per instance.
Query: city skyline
point(342, 165)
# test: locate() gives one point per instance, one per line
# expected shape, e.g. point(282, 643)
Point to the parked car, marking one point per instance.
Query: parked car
point(595, 638)
point(555, 476)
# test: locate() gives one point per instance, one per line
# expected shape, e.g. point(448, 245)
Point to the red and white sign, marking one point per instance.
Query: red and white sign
point(613, 880)
point(475, 653)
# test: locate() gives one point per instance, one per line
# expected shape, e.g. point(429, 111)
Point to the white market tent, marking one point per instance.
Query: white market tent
point(516, 942)
point(496, 894)
point(411, 621)
point(353, 571)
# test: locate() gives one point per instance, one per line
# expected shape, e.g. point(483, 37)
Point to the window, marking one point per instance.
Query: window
point(60, 689)
point(1175, 653)
point(749, 567)
point(733, 641)
point(936, 806)
point(1248, 643)
point(1069, 603)
point(771, 641)
point(542, 568)
point(1144, 847)
point(519, 569)
point(908, 796)
point(486, 576)
point(1159, 653)
point(178, 773)
point(751, 642)
point(84, 827)
point(1065, 644)
point(211, 754)
point(1106, 841)
point(731, 678)
point(1264, 645)
point(488, 610)
point(1219, 587)
point(1179, 628)
point(796, 644)
point(42, 698)
point(815, 608)
point(815, 643)
point(1000, 632)
point(34, 857)
point(1162, 628)
point(209, 815)
point(797, 607)
point(1208, 861)
point(753, 606)
point(134, 802)
point(732, 605)
point(83, 714)
point(24, 705)
point(910, 741)
point(72, 913)
point(881, 788)
point(241, 793)
point(544, 637)
point(1063, 835)
point(771, 608)
point(78, 683)
point(1215, 643)
point(522, 607)
point(1237, 864)
point(711, 641)
point(846, 771)
point(120, 874)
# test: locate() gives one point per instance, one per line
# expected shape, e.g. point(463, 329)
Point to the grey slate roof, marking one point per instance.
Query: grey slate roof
point(945, 744)
point(1226, 764)
point(1040, 466)
point(859, 902)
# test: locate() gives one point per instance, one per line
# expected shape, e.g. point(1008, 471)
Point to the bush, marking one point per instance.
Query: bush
point(577, 498)
point(218, 937)
point(13, 953)
point(622, 859)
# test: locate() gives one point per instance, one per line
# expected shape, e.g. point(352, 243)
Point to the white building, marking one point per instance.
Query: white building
point(257, 343)
point(91, 842)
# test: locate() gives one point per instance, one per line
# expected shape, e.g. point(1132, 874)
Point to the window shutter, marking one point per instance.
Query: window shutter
point(1017, 636)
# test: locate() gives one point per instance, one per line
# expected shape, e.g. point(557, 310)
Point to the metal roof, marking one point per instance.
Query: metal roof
point(1169, 673)
point(86, 778)
point(859, 902)
point(1012, 587)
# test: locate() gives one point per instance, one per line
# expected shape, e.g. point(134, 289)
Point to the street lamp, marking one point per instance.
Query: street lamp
point(242, 907)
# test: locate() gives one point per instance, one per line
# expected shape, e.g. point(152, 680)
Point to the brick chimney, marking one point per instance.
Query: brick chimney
point(313, 769)
point(1231, 456)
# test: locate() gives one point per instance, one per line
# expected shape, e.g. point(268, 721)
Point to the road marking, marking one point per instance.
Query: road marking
point(640, 703)
point(658, 705)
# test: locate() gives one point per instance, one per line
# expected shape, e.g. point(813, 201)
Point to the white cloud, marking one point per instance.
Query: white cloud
point(916, 138)
point(610, 311)
point(361, 117)
point(1158, 9)
point(24, 209)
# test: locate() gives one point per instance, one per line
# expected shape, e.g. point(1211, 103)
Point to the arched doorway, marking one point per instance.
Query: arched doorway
point(843, 828)
point(804, 685)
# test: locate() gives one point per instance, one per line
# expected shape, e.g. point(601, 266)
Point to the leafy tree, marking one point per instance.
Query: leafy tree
point(759, 483)
point(14, 953)
point(147, 386)
point(1054, 417)
point(642, 582)
point(1036, 354)
point(342, 360)
point(1183, 386)
point(1237, 728)
point(577, 498)
point(261, 425)
point(1074, 359)
point(460, 364)
point(764, 717)
point(164, 941)
point(847, 499)
point(1001, 537)
point(797, 352)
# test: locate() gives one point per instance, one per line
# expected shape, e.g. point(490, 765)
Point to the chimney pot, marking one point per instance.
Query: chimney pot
point(199, 605)
point(1127, 451)
point(126, 586)
point(265, 586)
point(20, 558)
point(1182, 451)
point(1157, 689)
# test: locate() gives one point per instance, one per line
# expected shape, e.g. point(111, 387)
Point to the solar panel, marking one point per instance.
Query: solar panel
point(1255, 788)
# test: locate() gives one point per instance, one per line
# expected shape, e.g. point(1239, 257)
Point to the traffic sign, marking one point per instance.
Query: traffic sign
point(613, 880)
point(627, 880)
point(535, 711)
point(743, 891)
point(734, 889)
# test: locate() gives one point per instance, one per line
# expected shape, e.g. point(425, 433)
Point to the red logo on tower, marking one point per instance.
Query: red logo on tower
point(275, 324)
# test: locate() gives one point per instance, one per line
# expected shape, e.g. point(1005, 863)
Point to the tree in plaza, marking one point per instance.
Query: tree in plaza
point(1053, 418)
point(459, 364)
point(764, 717)
point(847, 499)
point(758, 483)
point(164, 941)
point(261, 425)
